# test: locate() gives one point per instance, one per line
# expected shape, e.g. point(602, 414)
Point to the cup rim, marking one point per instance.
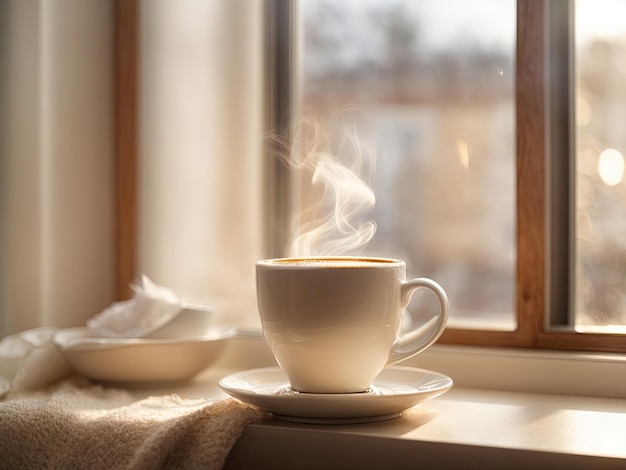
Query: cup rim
point(282, 263)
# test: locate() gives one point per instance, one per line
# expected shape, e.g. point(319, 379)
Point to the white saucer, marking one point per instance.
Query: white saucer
point(394, 390)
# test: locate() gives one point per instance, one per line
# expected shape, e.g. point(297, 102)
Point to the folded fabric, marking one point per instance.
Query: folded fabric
point(52, 418)
point(77, 426)
point(151, 307)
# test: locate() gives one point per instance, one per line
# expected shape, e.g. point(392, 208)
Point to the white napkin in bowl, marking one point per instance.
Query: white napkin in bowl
point(151, 307)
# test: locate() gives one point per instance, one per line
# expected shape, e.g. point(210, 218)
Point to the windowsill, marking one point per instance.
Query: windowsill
point(526, 409)
point(465, 428)
point(601, 375)
point(507, 408)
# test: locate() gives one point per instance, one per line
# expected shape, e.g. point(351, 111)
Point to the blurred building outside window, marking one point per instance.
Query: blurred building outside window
point(428, 89)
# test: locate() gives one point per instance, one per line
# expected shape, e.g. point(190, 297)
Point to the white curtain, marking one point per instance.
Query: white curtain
point(56, 174)
point(200, 151)
point(200, 145)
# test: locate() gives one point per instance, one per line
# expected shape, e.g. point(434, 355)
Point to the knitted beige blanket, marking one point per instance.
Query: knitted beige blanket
point(53, 419)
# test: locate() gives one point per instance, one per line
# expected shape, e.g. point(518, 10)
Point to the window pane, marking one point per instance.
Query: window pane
point(601, 146)
point(428, 87)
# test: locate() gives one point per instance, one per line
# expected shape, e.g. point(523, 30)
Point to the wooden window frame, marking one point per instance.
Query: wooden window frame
point(532, 197)
point(532, 202)
point(126, 114)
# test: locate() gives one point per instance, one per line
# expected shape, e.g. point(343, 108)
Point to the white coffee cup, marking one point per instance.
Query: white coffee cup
point(333, 323)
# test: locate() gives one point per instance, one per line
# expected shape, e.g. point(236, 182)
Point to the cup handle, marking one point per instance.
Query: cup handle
point(421, 337)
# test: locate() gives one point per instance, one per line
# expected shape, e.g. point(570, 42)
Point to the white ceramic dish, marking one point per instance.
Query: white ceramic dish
point(394, 390)
point(140, 360)
point(192, 320)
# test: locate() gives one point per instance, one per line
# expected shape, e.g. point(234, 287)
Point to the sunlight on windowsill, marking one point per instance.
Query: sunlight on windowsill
point(602, 329)
point(500, 323)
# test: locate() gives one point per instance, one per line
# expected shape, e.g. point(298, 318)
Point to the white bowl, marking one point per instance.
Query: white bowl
point(140, 360)
point(193, 320)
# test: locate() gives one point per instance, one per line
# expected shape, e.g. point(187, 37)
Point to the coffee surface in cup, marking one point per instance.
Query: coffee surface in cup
point(332, 262)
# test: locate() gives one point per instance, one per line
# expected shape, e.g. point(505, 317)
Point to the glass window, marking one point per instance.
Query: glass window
point(418, 98)
point(600, 150)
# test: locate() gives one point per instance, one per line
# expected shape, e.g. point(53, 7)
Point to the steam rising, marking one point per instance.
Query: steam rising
point(336, 232)
point(333, 224)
